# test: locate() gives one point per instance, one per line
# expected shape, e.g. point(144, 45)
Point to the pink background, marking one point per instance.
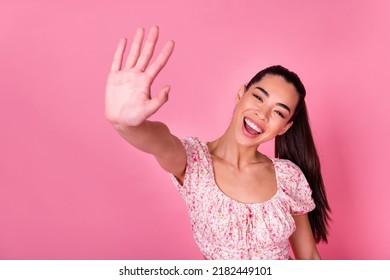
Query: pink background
point(71, 188)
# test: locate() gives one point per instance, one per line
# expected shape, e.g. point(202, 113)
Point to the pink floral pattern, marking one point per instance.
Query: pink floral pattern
point(224, 228)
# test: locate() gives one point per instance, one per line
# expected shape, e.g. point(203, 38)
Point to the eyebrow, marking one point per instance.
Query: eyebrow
point(280, 104)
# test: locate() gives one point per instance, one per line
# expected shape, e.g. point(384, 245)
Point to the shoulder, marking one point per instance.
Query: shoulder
point(192, 143)
point(290, 177)
point(293, 183)
point(286, 168)
point(195, 148)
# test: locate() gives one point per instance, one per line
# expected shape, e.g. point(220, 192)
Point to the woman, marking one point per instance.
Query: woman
point(242, 204)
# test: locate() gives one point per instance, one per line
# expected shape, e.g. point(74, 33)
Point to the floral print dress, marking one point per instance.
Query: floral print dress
point(225, 228)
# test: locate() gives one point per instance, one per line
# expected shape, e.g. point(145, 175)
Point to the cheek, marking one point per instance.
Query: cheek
point(278, 123)
point(237, 113)
point(243, 106)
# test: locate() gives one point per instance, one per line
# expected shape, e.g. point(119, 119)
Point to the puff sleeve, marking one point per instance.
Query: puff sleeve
point(295, 185)
point(194, 168)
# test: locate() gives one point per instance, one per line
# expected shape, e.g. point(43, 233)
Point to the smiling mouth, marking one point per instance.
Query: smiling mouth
point(251, 127)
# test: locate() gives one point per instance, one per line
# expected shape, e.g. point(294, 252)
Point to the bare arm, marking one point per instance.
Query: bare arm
point(129, 102)
point(302, 240)
point(155, 138)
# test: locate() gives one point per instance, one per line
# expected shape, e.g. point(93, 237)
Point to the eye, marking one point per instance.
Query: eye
point(280, 114)
point(258, 97)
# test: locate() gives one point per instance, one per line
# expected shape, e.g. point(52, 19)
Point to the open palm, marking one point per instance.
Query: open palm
point(128, 97)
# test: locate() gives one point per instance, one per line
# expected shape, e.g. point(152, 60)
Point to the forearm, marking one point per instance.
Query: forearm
point(150, 137)
point(302, 240)
point(156, 139)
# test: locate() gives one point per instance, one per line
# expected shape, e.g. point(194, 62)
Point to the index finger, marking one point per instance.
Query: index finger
point(117, 62)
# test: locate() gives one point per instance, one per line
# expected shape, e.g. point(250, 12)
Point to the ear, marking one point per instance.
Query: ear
point(285, 128)
point(240, 93)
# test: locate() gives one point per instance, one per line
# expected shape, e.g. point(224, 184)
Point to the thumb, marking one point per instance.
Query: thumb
point(156, 102)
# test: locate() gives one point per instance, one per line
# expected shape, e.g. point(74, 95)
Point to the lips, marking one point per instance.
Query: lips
point(251, 127)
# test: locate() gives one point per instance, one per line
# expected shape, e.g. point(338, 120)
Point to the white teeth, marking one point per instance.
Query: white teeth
point(252, 125)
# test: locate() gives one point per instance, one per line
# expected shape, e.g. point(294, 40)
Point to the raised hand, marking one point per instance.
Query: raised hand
point(128, 97)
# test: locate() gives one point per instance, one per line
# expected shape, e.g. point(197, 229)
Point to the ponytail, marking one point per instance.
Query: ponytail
point(297, 145)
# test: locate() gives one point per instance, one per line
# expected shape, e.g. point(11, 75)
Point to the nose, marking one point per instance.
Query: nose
point(261, 115)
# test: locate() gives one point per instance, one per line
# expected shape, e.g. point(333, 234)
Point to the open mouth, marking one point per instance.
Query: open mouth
point(251, 127)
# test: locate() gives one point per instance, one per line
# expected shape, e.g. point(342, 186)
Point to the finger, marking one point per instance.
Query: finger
point(161, 60)
point(117, 62)
point(148, 49)
point(135, 48)
point(156, 102)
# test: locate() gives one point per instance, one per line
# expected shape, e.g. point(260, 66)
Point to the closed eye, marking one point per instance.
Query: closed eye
point(258, 97)
point(280, 114)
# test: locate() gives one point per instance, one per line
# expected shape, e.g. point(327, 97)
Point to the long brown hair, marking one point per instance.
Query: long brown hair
point(297, 145)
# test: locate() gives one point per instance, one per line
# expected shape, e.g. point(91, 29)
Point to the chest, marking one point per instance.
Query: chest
point(253, 184)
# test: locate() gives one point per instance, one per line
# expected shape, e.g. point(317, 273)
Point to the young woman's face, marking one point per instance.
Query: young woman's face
point(263, 111)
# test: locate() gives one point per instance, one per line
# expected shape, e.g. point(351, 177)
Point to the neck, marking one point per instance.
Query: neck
point(227, 149)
